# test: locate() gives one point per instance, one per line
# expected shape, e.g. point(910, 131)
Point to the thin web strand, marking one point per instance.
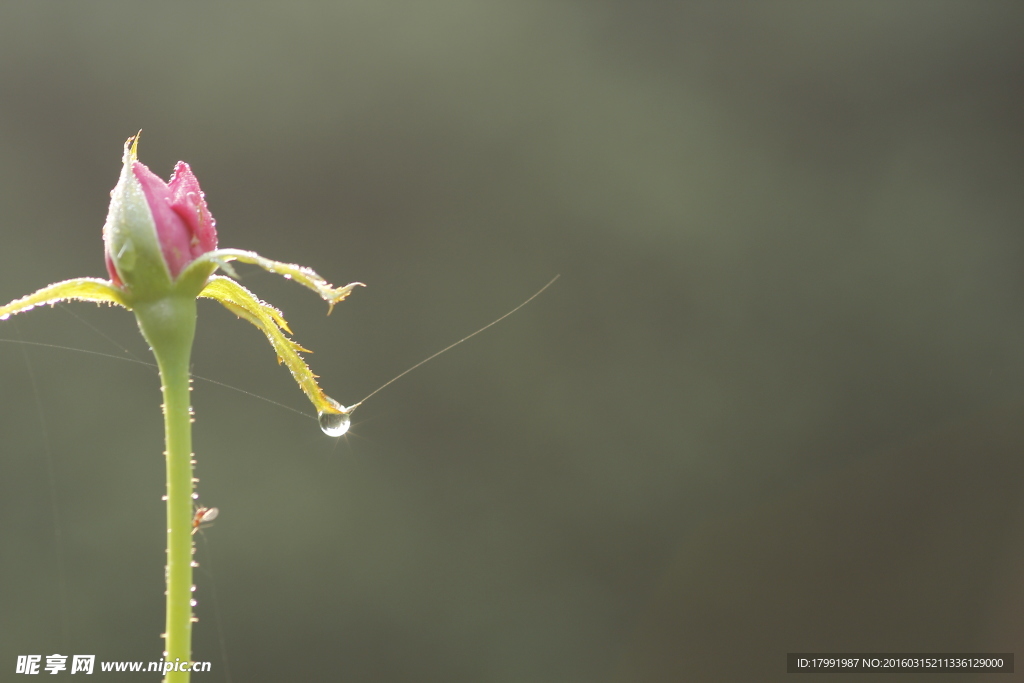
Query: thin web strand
point(51, 477)
point(114, 343)
point(208, 559)
point(453, 345)
point(101, 354)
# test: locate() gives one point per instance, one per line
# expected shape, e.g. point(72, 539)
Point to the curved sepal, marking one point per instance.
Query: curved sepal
point(301, 274)
point(269, 320)
point(80, 289)
point(194, 278)
point(133, 253)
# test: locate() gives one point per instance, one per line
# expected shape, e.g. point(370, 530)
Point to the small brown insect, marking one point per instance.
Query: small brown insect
point(203, 516)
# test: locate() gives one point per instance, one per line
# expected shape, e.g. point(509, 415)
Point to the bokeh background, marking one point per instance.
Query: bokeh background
point(773, 404)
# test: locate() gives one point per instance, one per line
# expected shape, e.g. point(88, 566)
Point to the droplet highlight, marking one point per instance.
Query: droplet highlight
point(334, 423)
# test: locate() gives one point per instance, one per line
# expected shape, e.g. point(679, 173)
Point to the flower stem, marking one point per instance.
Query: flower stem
point(169, 326)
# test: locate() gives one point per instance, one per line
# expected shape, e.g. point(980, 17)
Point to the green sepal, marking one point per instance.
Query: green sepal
point(78, 289)
point(131, 238)
point(307, 277)
point(194, 278)
point(269, 320)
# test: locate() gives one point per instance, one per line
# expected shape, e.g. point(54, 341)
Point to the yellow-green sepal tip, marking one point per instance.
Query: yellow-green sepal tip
point(78, 289)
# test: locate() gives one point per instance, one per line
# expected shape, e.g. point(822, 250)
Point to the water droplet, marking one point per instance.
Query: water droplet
point(335, 424)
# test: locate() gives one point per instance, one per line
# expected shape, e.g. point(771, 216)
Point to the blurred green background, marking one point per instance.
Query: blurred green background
point(773, 404)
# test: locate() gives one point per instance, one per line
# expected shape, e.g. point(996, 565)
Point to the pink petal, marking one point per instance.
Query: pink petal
point(189, 203)
point(184, 225)
point(114, 277)
point(171, 230)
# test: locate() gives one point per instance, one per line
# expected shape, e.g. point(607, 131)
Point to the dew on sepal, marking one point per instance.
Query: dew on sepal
point(335, 423)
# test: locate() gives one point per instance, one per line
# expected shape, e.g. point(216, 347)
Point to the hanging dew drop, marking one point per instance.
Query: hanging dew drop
point(334, 424)
point(336, 420)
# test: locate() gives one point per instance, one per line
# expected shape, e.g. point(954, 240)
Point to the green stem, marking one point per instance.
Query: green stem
point(169, 326)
